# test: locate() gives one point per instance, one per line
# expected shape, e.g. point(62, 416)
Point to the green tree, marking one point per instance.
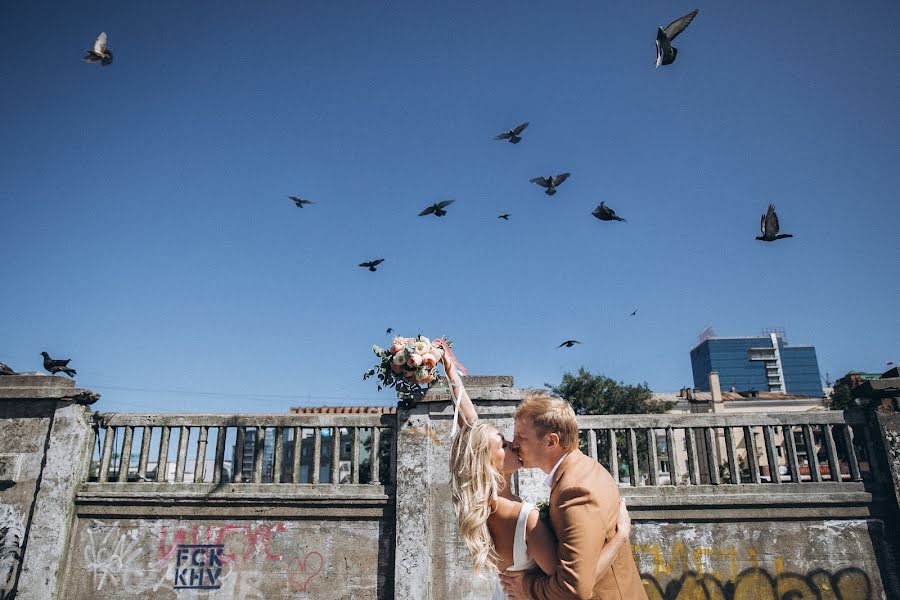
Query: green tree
point(842, 399)
point(591, 394)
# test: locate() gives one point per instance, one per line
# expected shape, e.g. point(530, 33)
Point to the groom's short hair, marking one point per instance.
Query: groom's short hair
point(549, 414)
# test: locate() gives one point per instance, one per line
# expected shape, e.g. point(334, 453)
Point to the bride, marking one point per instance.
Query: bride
point(502, 532)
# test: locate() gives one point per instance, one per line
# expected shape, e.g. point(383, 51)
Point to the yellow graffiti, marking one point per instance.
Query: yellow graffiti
point(681, 557)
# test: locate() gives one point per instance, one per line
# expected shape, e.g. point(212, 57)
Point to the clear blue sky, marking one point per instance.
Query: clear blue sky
point(146, 231)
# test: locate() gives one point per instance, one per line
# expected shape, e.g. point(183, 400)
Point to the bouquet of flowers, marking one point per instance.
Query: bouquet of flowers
point(409, 364)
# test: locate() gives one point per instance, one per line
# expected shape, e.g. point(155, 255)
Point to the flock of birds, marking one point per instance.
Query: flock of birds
point(666, 54)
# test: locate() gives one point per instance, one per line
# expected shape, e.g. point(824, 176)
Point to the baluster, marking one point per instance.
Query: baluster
point(693, 463)
point(652, 457)
point(239, 455)
point(219, 463)
point(812, 457)
point(874, 467)
point(108, 440)
point(374, 456)
point(671, 454)
point(259, 447)
point(298, 449)
point(392, 472)
point(146, 434)
point(793, 463)
point(712, 454)
point(834, 466)
point(184, 433)
point(847, 432)
point(317, 456)
point(731, 450)
point(125, 457)
point(200, 459)
point(613, 455)
point(162, 461)
point(771, 455)
point(354, 455)
point(752, 454)
point(632, 458)
point(335, 454)
point(592, 443)
point(276, 463)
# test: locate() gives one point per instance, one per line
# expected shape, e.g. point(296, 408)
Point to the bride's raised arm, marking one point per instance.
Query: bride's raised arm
point(467, 412)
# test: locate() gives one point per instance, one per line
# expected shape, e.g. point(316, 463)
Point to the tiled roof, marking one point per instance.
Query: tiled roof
point(343, 410)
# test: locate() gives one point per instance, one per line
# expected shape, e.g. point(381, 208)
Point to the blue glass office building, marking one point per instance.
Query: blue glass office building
point(764, 363)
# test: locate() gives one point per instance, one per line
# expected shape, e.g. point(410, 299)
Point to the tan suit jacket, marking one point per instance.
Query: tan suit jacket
point(584, 509)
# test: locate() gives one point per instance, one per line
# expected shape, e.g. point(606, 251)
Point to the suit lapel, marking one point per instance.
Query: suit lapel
point(565, 464)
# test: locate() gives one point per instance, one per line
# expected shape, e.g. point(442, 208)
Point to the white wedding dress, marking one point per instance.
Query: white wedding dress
point(521, 560)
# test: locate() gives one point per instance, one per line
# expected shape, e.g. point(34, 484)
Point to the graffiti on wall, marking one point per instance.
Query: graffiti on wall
point(230, 558)
point(758, 584)
point(12, 536)
point(723, 574)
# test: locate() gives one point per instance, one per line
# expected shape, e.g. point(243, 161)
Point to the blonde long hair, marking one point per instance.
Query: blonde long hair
point(475, 482)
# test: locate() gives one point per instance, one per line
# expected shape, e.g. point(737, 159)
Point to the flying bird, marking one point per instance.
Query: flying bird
point(6, 370)
point(768, 225)
point(605, 213)
point(300, 201)
point(437, 209)
point(568, 343)
point(55, 366)
point(665, 51)
point(513, 135)
point(550, 182)
point(634, 313)
point(372, 264)
point(389, 330)
point(99, 52)
point(504, 216)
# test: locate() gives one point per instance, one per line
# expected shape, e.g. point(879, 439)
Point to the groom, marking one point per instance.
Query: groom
point(584, 507)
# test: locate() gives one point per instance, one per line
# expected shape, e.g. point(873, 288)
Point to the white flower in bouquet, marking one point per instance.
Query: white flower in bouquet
point(422, 347)
point(424, 376)
point(422, 338)
point(399, 358)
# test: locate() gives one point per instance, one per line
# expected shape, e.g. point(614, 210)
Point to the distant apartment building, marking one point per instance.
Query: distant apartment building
point(764, 363)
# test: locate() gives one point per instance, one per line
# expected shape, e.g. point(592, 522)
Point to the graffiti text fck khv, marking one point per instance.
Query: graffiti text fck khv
point(198, 567)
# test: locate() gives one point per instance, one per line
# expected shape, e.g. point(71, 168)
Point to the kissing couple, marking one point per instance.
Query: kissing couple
point(583, 549)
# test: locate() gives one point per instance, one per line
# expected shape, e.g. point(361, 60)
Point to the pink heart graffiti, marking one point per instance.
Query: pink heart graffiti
point(302, 564)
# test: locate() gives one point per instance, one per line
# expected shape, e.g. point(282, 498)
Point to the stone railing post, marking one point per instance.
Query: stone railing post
point(431, 561)
point(45, 452)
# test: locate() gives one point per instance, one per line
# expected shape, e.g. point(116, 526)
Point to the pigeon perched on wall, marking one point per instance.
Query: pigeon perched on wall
point(54, 366)
point(6, 370)
point(372, 264)
point(99, 52)
point(768, 225)
point(513, 135)
point(300, 201)
point(665, 51)
point(550, 182)
point(568, 343)
point(437, 209)
point(605, 213)
point(504, 216)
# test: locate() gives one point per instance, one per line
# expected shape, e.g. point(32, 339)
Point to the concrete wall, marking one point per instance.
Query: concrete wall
point(222, 558)
point(272, 541)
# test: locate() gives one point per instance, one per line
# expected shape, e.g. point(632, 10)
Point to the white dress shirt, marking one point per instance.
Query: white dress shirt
point(549, 481)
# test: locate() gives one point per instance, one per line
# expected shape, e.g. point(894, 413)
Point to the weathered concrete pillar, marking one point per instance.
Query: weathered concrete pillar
point(431, 562)
point(45, 451)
